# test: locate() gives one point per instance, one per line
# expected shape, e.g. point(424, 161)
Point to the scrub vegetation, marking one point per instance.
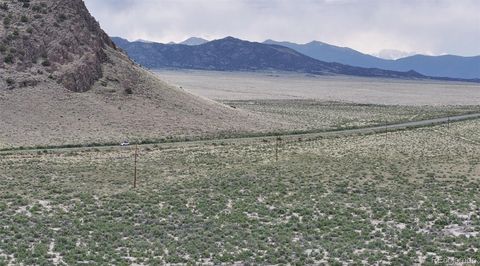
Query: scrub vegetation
point(313, 115)
point(408, 197)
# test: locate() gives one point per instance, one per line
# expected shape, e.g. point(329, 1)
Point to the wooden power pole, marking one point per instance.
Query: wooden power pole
point(135, 167)
point(386, 132)
point(277, 144)
point(276, 148)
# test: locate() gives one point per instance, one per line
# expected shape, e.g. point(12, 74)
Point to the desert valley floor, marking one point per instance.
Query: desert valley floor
point(105, 160)
point(275, 86)
point(402, 197)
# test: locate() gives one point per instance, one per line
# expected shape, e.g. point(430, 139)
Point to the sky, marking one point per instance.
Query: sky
point(431, 27)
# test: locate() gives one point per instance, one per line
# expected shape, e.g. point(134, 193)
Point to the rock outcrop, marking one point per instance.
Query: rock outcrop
point(57, 39)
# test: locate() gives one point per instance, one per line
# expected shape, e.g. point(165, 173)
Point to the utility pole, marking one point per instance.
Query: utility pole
point(386, 133)
point(135, 167)
point(277, 143)
point(276, 150)
point(448, 133)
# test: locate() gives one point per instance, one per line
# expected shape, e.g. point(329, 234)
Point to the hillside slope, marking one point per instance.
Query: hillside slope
point(435, 66)
point(231, 54)
point(66, 83)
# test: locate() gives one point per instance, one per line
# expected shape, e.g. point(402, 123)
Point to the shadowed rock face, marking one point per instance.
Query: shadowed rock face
point(58, 39)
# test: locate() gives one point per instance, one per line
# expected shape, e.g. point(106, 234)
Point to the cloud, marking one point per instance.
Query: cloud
point(429, 26)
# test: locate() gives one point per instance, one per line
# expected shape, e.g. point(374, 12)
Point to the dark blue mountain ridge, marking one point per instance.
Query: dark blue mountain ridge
point(437, 66)
point(231, 54)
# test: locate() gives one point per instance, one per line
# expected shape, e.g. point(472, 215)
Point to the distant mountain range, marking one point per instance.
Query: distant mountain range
point(145, 41)
point(194, 41)
point(437, 66)
point(189, 41)
point(392, 54)
point(231, 54)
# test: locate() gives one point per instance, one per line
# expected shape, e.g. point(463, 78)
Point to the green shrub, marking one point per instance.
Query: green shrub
point(46, 63)
point(62, 18)
point(9, 59)
point(128, 91)
point(10, 81)
point(24, 19)
point(7, 21)
point(26, 3)
point(37, 8)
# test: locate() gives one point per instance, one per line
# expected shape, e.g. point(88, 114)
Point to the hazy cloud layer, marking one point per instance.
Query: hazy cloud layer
point(428, 26)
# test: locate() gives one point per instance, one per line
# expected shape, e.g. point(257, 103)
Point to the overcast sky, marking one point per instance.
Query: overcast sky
point(428, 26)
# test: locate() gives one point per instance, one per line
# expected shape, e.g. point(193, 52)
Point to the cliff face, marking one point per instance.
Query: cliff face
point(55, 40)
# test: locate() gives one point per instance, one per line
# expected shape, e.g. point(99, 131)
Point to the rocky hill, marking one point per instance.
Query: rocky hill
point(63, 81)
point(57, 39)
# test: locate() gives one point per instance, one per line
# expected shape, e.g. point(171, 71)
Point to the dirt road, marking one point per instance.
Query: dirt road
point(333, 133)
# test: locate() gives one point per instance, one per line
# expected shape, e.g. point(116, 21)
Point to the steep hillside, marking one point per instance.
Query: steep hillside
point(64, 82)
point(436, 66)
point(237, 55)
